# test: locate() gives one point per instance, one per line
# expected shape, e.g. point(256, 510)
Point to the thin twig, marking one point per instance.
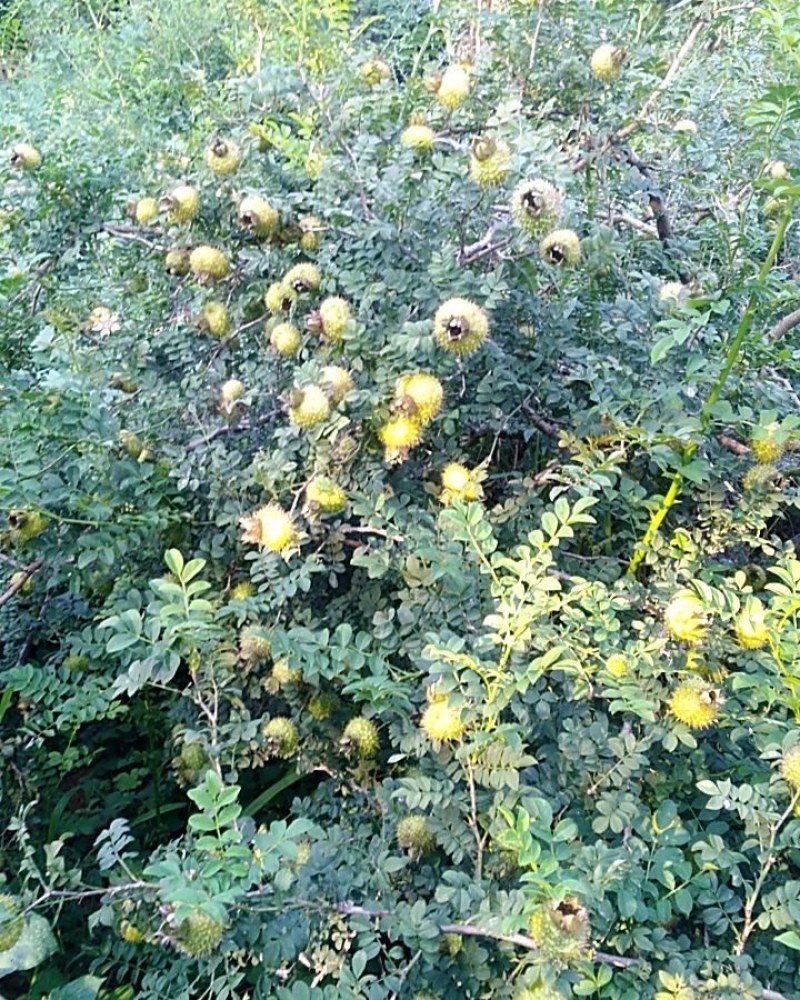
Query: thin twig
point(200, 442)
point(622, 219)
point(131, 234)
point(783, 326)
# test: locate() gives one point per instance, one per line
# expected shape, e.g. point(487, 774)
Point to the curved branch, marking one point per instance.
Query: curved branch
point(20, 579)
point(783, 326)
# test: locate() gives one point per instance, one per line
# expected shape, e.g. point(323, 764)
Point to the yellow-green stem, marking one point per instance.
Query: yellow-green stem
point(731, 357)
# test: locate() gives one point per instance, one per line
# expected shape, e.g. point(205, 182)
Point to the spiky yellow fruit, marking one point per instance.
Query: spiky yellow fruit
point(561, 930)
point(279, 297)
point(751, 626)
point(198, 935)
point(563, 246)
point(759, 477)
point(309, 406)
point(460, 483)
point(490, 161)
point(12, 923)
point(606, 62)
point(460, 326)
point(790, 767)
point(418, 137)
point(536, 206)
point(285, 339)
point(311, 229)
point(685, 617)
point(454, 87)
point(617, 665)
point(176, 262)
point(145, 210)
point(223, 156)
point(254, 645)
point(25, 157)
point(441, 722)
point(695, 704)
point(208, 264)
point(414, 835)
point(337, 382)
point(398, 436)
point(258, 216)
point(282, 673)
point(280, 734)
point(360, 736)
point(778, 170)
point(241, 591)
point(375, 71)
point(419, 395)
point(325, 496)
point(303, 278)
point(270, 527)
point(766, 448)
point(334, 314)
point(182, 203)
point(215, 319)
point(232, 390)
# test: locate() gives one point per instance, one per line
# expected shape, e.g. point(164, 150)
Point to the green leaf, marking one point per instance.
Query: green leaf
point(791, 939)
point(35, 945)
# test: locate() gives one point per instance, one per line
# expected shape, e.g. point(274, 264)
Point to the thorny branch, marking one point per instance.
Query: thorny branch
point(21, 578)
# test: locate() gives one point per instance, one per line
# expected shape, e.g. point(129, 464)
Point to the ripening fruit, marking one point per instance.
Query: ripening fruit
point(198, 935)
point(441, 722)
point(324, 496)
point(281, 736)
point(181, 204)
point(419, 396)
point(460, 326)
point(460, 483)
point(398, 436)
point(279, 297)
point(561, 247)
point(285, 339)
point(334, 314)
point(311, 228)
point(258, 216)
point(418, 137)
point(145, 210)
point(177, 262)
point(282, 674)
point(337, 382)
point(672, 293)
point(208, 264)
point(308, 406)
point(223, 156)
point(695, 704)
point(606, 62)
point(414, 836)
point(536, 206)
point(12, 922)
point(561, 930)
point(241, 591)
point(778, 170)
point(232, 390)
point(790, 767)
point(766, 448)
point(270, 527)
point(454, 87)
point(685, 617)
point(360, 736)
point(375, 71)
point(490, 161)
point(303, 278)
point(617, 665)
point(215, 319)
point(131, 443)
point(191, 763)
point(750, 626)
point(254, 645)
point(25, 157)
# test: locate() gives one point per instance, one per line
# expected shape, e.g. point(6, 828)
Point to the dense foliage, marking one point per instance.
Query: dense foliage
point(399, 412)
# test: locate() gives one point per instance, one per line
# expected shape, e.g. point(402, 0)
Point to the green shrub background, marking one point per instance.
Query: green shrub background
point(613, 431)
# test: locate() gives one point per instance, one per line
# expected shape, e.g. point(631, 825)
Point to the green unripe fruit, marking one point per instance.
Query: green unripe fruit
point(25, 525)
point(361, 737)
point(198, 935)
point(311, 229)
point(308, 407)
point(223, 156)
point(25, 157)
point(414, 836)
point(208, 264)
point(285, 340)
point(258, 216)
point(281, 736)
point(145, 210)
point(215, 319)
point(460, 326)
point(561, 930)
point(254, 645)
point(131, 443)
point(279, 297)
point(606, 62)
point(303, 278)
point(536, 206)
point(182, 203)
point(337, 382)
point(324, 496)
point(490, 161)
point(334, 314)
point(454, 87)
point(282, 674)
point(562, 247)
point(177, 262)
point(323, 705)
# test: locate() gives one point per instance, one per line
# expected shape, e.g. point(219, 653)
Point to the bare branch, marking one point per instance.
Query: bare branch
point(622, 219)
point(783, 326)
point(20, 579)
point(131, 234)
